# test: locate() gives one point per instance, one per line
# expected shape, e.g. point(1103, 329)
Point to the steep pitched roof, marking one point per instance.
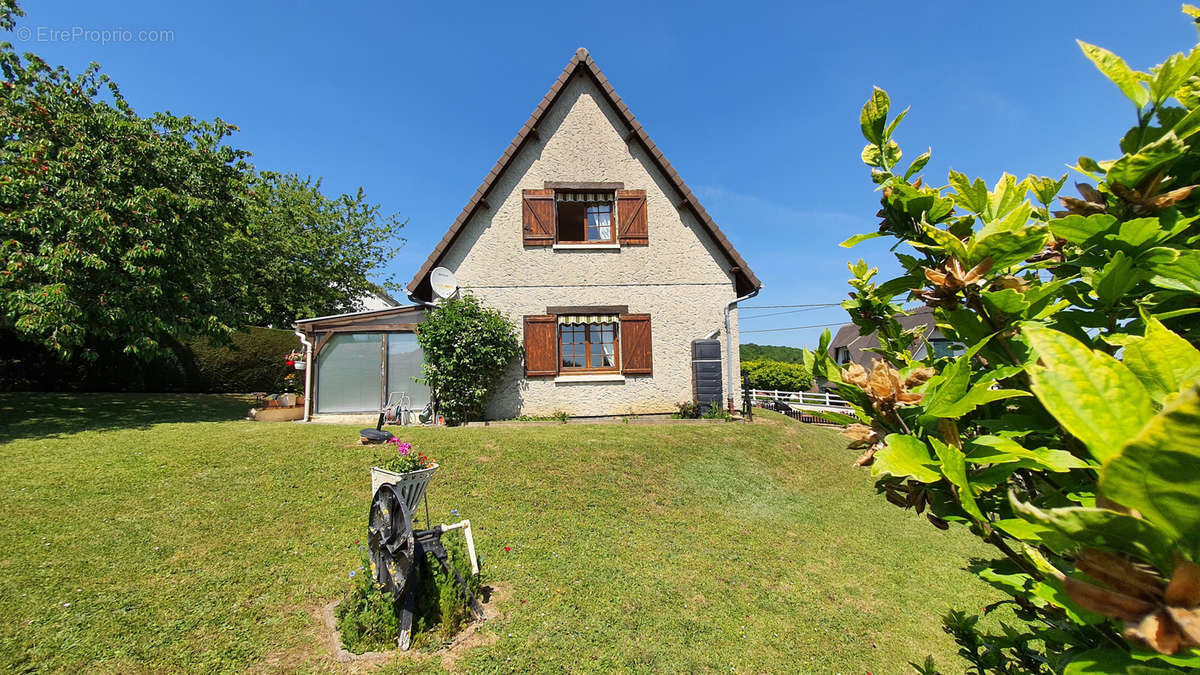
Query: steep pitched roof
point(582, 60)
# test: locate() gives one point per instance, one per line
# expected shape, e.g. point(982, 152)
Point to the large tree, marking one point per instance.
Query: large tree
point(315, 253)
point(113, 224)
point(122, 233)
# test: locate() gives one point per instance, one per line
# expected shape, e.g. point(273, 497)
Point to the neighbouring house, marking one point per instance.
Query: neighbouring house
point(375, 300)
point(590, 242)
point(849, 346)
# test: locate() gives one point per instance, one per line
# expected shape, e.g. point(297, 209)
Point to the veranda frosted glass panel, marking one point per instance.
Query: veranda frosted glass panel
point(349, 373)
point(404, 363)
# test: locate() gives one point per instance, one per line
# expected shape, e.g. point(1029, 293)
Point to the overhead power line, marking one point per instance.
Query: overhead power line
point(774, 330)
point(787, 311)
point(820, 304)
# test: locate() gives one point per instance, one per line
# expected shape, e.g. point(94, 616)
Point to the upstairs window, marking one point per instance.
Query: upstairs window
point(582, 214)
point(584, 217)
point(841, 355)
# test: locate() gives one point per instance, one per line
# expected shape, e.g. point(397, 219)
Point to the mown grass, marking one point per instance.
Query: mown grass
point(163, 533)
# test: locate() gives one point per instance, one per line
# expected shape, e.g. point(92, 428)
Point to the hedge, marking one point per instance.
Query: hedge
point(254, 361)
point(777, 375)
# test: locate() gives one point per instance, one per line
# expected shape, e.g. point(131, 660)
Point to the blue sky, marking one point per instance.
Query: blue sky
point(756, 105)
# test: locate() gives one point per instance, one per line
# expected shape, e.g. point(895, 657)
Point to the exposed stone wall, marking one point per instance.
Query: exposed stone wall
point(681, 278)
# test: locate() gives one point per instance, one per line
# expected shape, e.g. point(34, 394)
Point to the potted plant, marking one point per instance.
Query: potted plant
point(408, 469)
point(295, 360)
point(289, 388)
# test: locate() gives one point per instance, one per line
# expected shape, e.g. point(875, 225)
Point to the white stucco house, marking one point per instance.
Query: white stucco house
point(591, 243)
point(623, 289)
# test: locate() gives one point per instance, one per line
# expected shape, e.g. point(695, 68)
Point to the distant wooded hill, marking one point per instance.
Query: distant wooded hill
point(753, 352)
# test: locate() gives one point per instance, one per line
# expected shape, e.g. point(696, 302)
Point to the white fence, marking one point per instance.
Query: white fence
point(801, 399)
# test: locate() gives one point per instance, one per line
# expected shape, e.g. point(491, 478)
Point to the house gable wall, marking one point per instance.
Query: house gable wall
point(682, 278)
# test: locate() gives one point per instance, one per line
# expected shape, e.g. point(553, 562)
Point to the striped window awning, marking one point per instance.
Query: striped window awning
point(590, 197)
point(572, 319)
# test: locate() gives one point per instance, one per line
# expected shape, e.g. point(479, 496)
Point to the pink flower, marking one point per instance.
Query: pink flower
point(507, 548)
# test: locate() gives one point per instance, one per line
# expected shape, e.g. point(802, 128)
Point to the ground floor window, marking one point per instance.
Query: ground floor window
point(589, 343)
point(576, 341)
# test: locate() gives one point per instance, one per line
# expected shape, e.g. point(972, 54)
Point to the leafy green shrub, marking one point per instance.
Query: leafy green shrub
point(31, 366)
point(1068, 435)
point(777, 375)
point(467, 349)
point(366, 616)
point(716, 412)
point(452, 603)
point(442, 608)
point(691, 410)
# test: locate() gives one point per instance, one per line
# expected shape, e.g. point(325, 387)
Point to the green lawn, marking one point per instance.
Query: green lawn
point(152, 533)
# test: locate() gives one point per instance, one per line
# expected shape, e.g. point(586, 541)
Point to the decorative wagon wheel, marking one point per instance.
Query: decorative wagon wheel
point(391, 542)
point(397, 554)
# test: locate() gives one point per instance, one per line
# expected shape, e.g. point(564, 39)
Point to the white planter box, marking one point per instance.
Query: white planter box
point(411, 485)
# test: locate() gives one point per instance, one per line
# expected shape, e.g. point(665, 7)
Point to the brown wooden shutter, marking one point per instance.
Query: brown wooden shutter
point(537, 217)
point(631, 217)
point(541, 345)
point(636, 357)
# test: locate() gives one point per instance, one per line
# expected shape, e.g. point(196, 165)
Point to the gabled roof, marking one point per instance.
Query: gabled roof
point(386, 299)
point(848, 336)
point(583, 61)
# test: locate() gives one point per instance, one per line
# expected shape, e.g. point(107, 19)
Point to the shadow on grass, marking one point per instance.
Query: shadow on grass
point(36, 415)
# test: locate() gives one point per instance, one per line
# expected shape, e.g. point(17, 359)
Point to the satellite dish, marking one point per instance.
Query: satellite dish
point(443, 283)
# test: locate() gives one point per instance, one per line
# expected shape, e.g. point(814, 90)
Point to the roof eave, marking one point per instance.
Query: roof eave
point(400, 309)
